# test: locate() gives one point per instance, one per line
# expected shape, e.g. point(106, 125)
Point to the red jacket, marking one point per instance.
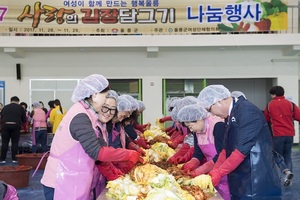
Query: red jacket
point(281, 113)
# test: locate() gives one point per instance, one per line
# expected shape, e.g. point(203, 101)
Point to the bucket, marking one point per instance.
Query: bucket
point(32, 159)
point(17, 176)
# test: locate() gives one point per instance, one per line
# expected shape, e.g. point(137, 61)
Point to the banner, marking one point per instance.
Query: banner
point(141, 17)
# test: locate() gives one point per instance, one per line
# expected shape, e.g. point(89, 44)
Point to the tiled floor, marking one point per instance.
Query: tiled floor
point(35, 192)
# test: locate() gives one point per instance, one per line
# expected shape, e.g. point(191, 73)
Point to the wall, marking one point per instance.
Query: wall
point(171, 62)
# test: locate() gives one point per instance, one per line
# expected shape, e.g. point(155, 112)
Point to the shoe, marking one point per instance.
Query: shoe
point(2, 161)
point(14, 161)
point(288, 176)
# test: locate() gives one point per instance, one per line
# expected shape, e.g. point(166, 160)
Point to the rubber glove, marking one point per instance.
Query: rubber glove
point(221, 159)
point(191, 165)
point(142, 143)
point(187, 157)
point(164, 119)
point(124, 166)
point(169, 130)
point(175, 134)
point(136, 147)
point(232, 162)
point(181, 152)
point(110, 154)
point(109, 171)
point(203, 169)
point(176, 141)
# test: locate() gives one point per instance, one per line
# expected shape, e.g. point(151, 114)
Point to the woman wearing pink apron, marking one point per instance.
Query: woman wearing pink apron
point(78, 152)
point(207, 130)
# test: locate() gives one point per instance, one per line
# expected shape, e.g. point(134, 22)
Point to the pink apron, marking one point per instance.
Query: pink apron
point(209, 151)
point(79, 175)
point(11, 193)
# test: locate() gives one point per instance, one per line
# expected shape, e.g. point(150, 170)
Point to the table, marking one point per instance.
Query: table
point(103, 196)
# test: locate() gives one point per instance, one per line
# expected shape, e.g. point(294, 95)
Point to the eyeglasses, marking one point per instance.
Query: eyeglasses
point(111, 111)
point(209, 109)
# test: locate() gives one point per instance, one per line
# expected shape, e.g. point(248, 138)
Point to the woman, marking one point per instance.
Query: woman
point(57, 115)
point(39, 127)
point(207, 129)
point(70, 172)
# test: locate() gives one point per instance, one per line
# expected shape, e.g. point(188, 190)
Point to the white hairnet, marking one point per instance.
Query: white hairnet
point(188, 100)
point(237, 94)
point(191, 113)
point(36, 104)
point(134, 104)
point(172, 103)
point(88, 86)
point(123, 104)
point(141, 104)
point(113, 94)
point(174, 114)
point(213, 93)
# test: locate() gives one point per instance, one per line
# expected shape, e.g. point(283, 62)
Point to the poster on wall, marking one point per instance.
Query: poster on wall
point(141, 17)
point(2, 92)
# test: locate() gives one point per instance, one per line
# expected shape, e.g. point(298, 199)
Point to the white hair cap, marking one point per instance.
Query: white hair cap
point(142, 106)
point(36, 104)
point(172, 102)
point(113, 94)
point(188, 100)
point(213, 93)
point(88, 86)
point(134, 103)
point(237, 94)
point(191, 113)
point(123, 104)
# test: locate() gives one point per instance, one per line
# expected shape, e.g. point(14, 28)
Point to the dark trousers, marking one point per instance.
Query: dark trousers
point(10, 132)
point(48, 192)
point(283, 145)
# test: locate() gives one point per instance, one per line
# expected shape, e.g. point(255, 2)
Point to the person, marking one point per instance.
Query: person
point(140, 127)
point(280, 113)
point(57, 115)
point(8, 192)
point(1, 106)
point(78, 153)
point(288, 175)
point(43, 107)
point(128, 123)
point(13, 116)
point(51, 107)
point(170, 106)
point(26, 125)
point(115, 133)
point(39, 127)
point(247, 157)
point(208, 133)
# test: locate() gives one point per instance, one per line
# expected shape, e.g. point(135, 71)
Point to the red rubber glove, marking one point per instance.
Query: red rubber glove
point(142, 143)
point(176, 141)
point(110, 154)
point(232, 162)
point(181, 152)
point(109, 171)
point(124, 166)
point(221, 159)
point(136, 147)
point(191, 165)
point(164, 119)
point(203, 169)
point(187, 157)
point(169, 130)
point(175, 134)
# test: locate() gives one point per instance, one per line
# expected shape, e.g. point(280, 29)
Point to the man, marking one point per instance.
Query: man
point(247, 157)
point(280, 113)
point(12, 115)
